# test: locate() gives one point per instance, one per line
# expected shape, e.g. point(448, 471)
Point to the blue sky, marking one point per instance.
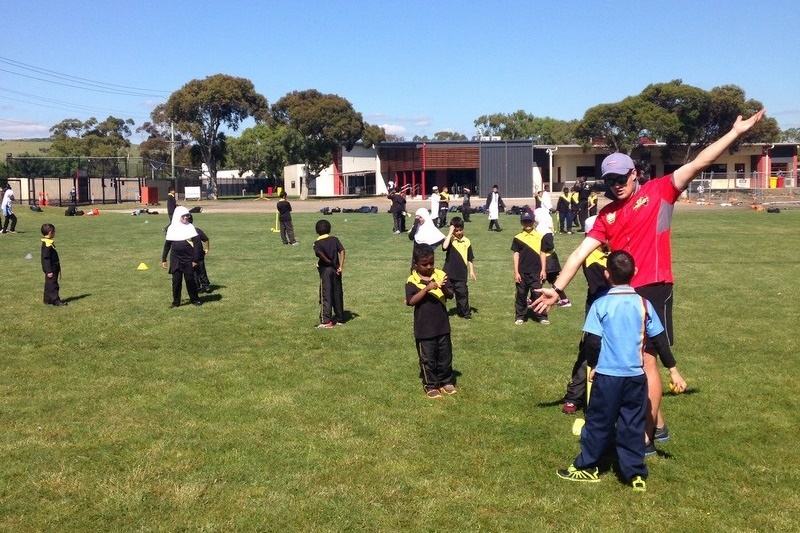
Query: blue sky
point(413, 67)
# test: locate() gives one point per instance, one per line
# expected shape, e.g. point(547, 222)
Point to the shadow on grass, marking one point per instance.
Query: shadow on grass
point(210, 297)
point(75, 298)
point(554, 403)
point(687, 392)
point(454, 311)
point(347, 316)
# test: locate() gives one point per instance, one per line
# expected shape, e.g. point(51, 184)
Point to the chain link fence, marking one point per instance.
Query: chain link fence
point(736, 188)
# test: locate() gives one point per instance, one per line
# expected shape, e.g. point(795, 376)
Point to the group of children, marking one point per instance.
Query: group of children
point(618, 324)
point(615, 328)
point(428, 288)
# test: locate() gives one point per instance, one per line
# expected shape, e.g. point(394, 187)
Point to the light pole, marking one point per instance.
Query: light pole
point(550, 152)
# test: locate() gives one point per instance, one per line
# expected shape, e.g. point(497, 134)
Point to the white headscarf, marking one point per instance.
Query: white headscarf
point(589, 224)
point(427, 232)
point(544, 222)
point(177, 230)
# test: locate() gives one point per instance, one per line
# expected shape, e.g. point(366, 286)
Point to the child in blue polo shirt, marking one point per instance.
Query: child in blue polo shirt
point(616, 329)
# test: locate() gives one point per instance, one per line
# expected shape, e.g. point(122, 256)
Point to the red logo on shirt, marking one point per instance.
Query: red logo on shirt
point(640, 202)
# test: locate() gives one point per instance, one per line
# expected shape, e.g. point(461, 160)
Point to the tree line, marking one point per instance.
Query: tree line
point(308, 127)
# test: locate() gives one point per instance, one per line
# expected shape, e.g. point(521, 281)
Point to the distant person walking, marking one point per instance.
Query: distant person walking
point(466, 207)
point(494, 206)
point(7, 208)
point(285, 220)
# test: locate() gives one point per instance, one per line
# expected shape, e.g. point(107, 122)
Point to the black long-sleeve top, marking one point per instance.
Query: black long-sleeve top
point(50, 260)
point(183, 253)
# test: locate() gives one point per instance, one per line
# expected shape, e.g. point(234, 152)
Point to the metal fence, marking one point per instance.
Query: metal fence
point(87, 180)
point(735, 187)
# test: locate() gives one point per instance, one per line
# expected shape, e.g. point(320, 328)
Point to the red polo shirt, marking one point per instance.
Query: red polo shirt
point(641, 225)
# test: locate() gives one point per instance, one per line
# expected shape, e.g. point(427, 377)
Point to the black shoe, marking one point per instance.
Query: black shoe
point(60, 303)
point(650, 449)
point(175, 305)
point(197, 303)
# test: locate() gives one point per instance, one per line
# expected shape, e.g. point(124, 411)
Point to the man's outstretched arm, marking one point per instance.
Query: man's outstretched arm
point(685, 174)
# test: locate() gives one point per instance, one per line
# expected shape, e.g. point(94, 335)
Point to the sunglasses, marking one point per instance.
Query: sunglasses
point(618, 180)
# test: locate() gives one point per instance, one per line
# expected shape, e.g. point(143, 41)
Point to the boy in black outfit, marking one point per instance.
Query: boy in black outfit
point(427, 289)
point(172, 203)
point(285, 219)
point(51, 266)
point(398, 211)
point(200, 272)
point(594, 269)
point(530, 257)
point(330, 254)
point(458, 265)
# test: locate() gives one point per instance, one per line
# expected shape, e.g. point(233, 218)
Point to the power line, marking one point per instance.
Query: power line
point(109, 91)
point(63, 106)
point(83, 83)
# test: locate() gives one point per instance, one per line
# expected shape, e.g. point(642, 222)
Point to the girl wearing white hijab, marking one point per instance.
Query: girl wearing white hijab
point(7, 206)
point(425, 230)
point(185, 252)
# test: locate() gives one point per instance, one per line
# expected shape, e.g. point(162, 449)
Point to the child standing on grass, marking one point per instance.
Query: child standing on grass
point(615, 331)
point(458, 265)
point(330, 254)
point(200, 272)
point(172, 203)
point(8, 209)
point(544, 226)
point(51, 266)
point(594, 270)
point(185, 252)
point(427, 289)
point(529, 267)
point(285, 220)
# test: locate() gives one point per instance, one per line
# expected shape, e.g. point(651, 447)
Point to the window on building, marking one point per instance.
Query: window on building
point(585, 172)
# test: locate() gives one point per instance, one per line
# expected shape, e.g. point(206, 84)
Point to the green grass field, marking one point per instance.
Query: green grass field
point(24, 146)
point(121, 414)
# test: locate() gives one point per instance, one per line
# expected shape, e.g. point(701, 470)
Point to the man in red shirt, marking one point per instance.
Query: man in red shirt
point(639, 221)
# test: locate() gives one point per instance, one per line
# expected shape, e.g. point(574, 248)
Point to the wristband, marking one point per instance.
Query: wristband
point(560, 292)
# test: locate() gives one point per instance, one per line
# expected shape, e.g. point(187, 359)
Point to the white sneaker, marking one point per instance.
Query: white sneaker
point(519, 322)
point(544, 321)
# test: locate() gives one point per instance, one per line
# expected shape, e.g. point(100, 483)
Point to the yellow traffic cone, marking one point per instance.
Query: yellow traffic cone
point(141, 266)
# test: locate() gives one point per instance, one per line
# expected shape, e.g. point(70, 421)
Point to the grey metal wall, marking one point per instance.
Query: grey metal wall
point(509, 164)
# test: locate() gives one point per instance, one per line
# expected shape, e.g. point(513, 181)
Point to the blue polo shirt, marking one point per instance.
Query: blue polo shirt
point(624, 320)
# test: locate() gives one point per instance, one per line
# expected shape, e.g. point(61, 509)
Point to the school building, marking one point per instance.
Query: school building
point(520, 168)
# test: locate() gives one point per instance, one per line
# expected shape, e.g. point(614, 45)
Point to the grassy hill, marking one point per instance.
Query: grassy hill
point(19, 147)
point(24, 146)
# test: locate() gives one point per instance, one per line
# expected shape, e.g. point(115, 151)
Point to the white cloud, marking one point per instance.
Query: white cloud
point(15, 129)
point(394, 129)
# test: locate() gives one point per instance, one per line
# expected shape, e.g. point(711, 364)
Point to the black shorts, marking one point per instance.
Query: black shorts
point(660, 297)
